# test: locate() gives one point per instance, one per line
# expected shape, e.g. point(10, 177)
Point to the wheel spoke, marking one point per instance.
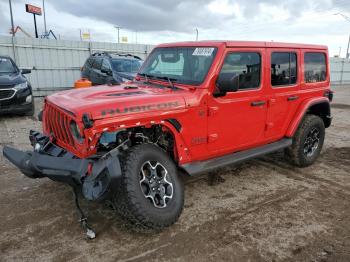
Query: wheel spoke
point(311, 142)
point(155, 185)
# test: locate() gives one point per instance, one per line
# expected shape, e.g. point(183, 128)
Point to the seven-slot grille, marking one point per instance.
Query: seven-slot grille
point(6, 93)
point(58, 124)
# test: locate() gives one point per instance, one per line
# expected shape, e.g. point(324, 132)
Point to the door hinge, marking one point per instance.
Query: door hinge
point(212, 110)
point(212, 137)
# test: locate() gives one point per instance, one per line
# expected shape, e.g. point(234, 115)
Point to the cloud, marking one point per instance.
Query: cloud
point(183, 16)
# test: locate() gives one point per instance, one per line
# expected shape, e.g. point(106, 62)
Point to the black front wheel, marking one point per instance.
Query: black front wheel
point(150, 193)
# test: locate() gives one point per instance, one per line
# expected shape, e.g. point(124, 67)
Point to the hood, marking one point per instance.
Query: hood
point(126, 75)
point(11, 79)
point(108, 101)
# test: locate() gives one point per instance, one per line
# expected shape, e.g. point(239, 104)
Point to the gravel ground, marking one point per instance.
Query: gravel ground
point(261, 210)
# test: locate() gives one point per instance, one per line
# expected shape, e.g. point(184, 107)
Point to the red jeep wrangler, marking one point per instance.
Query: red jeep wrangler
point(193, 106)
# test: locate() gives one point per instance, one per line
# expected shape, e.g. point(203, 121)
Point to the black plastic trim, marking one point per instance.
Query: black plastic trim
point(175, 124)
point(199, 167)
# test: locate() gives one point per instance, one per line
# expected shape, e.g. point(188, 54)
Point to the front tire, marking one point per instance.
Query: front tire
point(307, 142)
point(150, 194)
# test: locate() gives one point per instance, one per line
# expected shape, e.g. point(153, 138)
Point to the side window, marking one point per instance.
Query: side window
point(97, 63)
point(283, 68)
point(315, 67)
point(242, 69)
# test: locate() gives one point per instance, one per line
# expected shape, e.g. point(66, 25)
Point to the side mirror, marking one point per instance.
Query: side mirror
point(227, 83)
point(106, 71)
point(26, 71)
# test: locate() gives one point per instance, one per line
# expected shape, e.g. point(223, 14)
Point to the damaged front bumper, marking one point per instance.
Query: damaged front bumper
point(97, 177)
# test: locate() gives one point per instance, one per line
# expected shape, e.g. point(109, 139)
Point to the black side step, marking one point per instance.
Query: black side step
point(211, 164)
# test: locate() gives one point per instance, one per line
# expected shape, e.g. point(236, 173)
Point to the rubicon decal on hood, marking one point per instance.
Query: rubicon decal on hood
point(142, 108)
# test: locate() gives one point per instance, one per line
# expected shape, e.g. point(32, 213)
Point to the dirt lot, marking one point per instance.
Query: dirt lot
point(262, 210)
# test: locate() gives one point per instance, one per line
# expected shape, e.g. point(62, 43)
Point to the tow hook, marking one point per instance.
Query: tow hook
point(90, 233)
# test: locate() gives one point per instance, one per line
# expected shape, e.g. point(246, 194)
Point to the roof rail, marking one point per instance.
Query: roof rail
point(109, 54)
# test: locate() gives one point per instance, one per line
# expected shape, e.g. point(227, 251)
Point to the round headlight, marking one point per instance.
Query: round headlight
point(75, 131)
point(21, 85)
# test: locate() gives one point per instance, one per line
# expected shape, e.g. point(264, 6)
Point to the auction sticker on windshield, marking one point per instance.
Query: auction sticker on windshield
point(200, 51)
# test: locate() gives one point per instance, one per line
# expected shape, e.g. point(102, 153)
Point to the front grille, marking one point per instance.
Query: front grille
point(57, 124)
point(6, 93)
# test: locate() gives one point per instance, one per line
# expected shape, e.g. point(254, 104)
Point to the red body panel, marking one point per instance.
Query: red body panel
point(211, 126)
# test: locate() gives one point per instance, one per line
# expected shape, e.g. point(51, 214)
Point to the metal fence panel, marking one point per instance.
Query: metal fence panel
point(56, 64)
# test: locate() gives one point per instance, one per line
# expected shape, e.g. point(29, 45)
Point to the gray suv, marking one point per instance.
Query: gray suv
point(111, 68)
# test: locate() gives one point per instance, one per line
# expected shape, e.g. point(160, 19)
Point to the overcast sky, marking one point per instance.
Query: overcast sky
point(157, 21)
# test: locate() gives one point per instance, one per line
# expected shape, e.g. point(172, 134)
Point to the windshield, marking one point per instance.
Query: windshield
point(186, 65)
point(6, 66)
point(125, 65)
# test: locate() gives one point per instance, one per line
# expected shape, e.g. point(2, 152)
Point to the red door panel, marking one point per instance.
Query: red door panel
point(237, 120)
point(283, 99)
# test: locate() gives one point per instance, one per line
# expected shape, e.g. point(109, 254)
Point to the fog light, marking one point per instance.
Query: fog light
point(29, 99)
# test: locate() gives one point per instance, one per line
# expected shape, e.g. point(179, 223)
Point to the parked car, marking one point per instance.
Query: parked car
point(111, 68)
point(15, 90)
point(194, 107)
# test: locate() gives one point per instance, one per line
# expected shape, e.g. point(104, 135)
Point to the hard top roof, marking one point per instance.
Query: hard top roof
point(230, 43)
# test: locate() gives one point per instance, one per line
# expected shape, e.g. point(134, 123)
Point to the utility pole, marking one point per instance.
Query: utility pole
point(12, 25)
point(118, 29)
point(13, 32)
point(339, 51)
point(44, 17)
point(196, 34)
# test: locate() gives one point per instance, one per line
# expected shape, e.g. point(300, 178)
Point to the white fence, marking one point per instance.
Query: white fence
point(56, 64)
point(340, 71)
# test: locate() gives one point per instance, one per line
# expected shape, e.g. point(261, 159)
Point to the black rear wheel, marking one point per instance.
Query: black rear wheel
point(150, 194)
point(307, 142)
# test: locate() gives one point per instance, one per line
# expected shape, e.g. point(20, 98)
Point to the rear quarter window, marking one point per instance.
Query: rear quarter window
point(315, 67)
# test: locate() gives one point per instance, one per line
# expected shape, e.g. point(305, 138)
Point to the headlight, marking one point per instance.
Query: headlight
point(21, 85)
point(75, 131)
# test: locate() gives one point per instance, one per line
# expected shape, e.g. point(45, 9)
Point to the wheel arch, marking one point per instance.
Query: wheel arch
point(318, 106)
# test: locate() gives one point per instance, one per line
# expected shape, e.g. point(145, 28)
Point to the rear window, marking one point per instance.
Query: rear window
point(315, 67)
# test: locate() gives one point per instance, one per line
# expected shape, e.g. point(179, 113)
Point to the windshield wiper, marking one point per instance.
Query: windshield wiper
point(170, 81)
point(146, 76)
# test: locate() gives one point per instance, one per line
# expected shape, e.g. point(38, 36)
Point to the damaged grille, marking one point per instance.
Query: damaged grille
point(57, 124)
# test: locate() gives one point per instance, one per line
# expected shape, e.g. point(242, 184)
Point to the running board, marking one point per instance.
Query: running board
point(199, 167)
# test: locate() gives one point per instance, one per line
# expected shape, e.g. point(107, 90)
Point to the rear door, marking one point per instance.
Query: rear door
point(237, 120)
point(284, 88)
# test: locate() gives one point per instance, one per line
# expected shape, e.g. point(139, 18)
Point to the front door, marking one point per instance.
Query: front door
point(237, 120)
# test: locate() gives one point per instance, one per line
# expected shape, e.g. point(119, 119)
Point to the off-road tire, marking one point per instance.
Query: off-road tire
point(295, 153)
point(129, 200)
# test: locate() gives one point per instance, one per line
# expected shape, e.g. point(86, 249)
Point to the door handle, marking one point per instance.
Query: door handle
point(292, 98)
point(258, 103)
